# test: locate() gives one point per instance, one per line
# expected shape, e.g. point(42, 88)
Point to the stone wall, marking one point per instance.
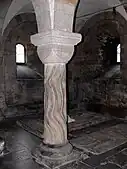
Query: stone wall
point(93, 58)
point(19, 91)
point(86, 70)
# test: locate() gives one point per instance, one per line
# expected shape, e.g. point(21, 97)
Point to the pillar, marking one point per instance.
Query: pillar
point(55, 45)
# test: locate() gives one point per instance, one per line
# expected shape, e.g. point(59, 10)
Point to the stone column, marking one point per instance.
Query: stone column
point(55, 42)
point(55, 129)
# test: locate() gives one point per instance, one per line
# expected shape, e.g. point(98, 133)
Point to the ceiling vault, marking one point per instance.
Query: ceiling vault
point(86, 9)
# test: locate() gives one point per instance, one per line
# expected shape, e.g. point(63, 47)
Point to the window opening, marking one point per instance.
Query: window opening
point(118, 53)
point(20, 53)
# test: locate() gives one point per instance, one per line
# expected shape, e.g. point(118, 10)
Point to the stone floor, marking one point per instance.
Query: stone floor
point(82, 121)
point(110, 151)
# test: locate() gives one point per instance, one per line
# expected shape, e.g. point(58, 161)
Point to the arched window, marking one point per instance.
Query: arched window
point(20, 53)
point(118, 53)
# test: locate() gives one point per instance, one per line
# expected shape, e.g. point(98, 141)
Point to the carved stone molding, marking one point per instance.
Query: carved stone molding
point(55, 46)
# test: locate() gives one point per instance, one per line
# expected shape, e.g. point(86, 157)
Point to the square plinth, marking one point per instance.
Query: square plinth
point(50, 163)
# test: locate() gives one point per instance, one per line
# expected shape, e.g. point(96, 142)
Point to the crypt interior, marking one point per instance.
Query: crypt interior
point(63, 84)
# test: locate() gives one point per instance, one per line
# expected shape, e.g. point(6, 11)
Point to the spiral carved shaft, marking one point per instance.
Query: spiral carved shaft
point(55, 118)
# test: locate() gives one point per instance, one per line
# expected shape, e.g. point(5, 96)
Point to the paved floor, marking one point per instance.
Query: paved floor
point(82, 120)
point(20, 143)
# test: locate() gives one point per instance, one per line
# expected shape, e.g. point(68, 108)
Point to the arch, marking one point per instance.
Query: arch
point(86, 11)
point(118, 22)
point(18, 7)
point(8, 50)
point(100, 25)
point(83, 8)
point(107, 16)
point(15, 8)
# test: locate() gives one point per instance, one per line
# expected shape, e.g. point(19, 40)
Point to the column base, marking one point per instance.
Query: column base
point(55, 157)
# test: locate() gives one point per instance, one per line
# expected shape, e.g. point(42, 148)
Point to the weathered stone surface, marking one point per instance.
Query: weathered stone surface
point(82, 120)
point(56, 157)
point(85, 69)
point(109, 166)
point(13, 90)
point(102, 141)
point(20, 143)
point(119, 158)
point(55, 117)
point(85, 85)
point(76, 165)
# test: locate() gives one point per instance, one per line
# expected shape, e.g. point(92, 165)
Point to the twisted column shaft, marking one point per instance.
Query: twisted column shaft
point(55, 118)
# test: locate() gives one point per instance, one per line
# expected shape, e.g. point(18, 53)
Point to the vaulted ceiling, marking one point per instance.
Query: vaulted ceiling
point(85, 10)
point(88, 8)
